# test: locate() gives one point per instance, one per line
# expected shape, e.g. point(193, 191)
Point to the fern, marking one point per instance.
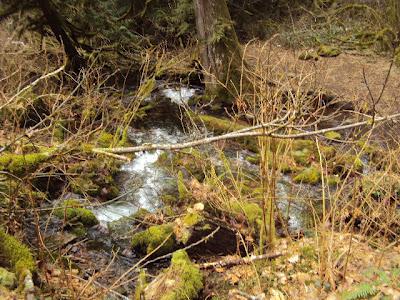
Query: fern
point(361, 291)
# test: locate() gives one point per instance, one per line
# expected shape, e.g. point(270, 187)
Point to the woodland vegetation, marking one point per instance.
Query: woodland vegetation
point(199, 149)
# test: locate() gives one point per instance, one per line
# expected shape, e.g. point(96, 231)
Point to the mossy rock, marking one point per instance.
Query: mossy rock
point(311, 175)
point(328, 51)
point(17, 254)
point(20, 164)
point(72, 211)
point(181, 281)
point(148, 240)
point(7, 279)
point(333, 135)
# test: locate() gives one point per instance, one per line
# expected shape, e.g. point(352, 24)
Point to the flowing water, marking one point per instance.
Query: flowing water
point(143, 181)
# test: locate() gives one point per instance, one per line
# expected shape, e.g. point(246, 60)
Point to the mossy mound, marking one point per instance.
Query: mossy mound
point(148, 240)
point(328, 51)
point(17, 254)
point(73, 212)
point(181, 281)
point(311, 175)
point(7, 279)
point(20, 164)
point(333, 135)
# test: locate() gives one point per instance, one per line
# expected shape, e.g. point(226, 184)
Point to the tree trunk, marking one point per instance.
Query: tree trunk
point(221, 55)
point(54, 20)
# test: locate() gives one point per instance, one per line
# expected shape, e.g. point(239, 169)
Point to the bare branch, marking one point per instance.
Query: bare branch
point(240, 134)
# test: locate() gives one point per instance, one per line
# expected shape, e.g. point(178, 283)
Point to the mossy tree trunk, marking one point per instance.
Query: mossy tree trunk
point(221, 55)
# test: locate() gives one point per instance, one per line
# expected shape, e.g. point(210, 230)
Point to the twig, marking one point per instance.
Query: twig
point(240, 261)
point(32, 85)
point(113, 155)
point(235, 134)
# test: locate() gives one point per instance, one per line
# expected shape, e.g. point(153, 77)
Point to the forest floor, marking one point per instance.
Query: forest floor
point(341, 76)
point(360, 267)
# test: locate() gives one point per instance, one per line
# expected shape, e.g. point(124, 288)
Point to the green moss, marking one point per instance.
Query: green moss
point(79, 230)
point(72, 211)
point(149, 239)
point(188, 278)
point(311, 175)
point(140, 285)
point(20, 164)
point(7, 279)
point(327, 152)
point(182, 190)
point(302, 157)
point(105, 139)
point(253, 159)
point(252, 212)
point(17, 254)
point(333, 180)
point(333, 135)
point(303, 151)
point(191, 219)
point(328, 51)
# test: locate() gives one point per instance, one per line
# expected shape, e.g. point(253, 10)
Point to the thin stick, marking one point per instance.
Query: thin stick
point(240, 260)
point(234, 135)
point(33, 84)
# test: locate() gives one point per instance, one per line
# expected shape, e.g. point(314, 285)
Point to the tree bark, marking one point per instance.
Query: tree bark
point(221, 55)
point(54, 20)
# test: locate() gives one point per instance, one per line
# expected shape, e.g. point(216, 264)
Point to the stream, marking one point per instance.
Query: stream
point(143, 182)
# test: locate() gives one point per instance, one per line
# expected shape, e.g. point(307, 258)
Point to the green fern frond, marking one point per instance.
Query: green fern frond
point(361, 291)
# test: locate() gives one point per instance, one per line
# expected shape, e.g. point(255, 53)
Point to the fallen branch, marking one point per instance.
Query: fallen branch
point(239, 261)
point(239, 134)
